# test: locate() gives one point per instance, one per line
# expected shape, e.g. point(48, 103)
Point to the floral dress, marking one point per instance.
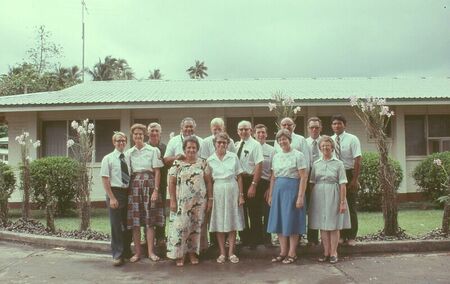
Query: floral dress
point(187, 233)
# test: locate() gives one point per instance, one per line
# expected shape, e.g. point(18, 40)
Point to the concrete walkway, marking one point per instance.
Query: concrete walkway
point(20, 263)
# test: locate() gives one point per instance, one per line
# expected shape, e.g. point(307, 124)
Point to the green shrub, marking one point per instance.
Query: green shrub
point(369, 196)
point(7, 186)
point(60, 174)
point(430, 178)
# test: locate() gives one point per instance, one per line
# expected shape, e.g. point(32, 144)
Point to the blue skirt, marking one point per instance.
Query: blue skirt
point(284, 217)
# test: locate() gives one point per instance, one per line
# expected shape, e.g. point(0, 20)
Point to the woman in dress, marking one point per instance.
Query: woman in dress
point(227, 212)
point(190, 189)
point(328, 211)
point(144, 203)
point(287, 216)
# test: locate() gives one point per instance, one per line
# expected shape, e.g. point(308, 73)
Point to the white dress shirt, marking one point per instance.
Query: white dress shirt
point(298, 143)
point(175, 146)
point(144, 159)
point(251, 155)
point(112, 168)
point(208, 148)
point(268, 152)
point(310, 141)
point(350, 148)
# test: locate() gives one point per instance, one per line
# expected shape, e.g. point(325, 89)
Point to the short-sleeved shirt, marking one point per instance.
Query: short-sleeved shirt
point(268, 152)
point(310, 142)
point(112, 168)
point(208, 148)
point(228, 167)
point(287, 164)
point(298, 143)
point(350, 148)
point(175, 145)
point(145, 159)
point(251, 155)
point(328, 171)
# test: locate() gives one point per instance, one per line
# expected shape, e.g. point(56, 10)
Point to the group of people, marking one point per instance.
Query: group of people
point(249, 188)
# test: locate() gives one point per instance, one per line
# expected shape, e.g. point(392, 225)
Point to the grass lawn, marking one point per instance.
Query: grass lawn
point(414, 221)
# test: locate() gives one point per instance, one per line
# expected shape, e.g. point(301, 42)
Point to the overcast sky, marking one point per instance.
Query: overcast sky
point(241, 38)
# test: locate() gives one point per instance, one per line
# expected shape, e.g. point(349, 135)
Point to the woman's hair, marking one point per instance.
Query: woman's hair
point(285, 133)
point(138, 126)
point(191, 139)
point(221, 135)
point(155, 125)
point(326, 138)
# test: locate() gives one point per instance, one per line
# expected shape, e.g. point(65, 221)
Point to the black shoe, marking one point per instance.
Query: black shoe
point(333, 259)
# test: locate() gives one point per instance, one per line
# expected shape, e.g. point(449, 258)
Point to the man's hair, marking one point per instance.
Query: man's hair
point(314, 118)
point(339, 117)
point(259, 126)
point(118, 134)
point(186, 119)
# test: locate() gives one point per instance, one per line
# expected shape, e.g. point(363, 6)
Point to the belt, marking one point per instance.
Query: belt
point(118, 188)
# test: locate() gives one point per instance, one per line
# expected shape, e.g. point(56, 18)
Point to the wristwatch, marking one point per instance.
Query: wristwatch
point(254, 183)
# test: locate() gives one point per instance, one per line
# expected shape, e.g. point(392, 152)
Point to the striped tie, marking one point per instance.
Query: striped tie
point(124, 170)
point(338, 147)
point(315, 151)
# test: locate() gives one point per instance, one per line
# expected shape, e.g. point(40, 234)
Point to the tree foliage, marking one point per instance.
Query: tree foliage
point(111, 69)
point(198, 71)
point(45, 53)
point(155, 75)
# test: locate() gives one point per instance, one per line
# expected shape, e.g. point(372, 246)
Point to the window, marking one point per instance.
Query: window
point(104, 130)
point(427, 134)
point(54, 138)
point(326, 126)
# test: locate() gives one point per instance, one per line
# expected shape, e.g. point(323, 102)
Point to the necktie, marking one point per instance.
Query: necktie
point(240, 149)
point(124, 170)
point(338, 147)
point(315, 151)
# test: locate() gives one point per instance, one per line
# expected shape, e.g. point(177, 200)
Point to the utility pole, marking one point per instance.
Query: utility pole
point(83, 8)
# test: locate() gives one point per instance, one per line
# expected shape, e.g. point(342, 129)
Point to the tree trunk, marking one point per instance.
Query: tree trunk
point(85, 201)
point(389, 195)
point(4, 211)
point(50, 216)
point(446, 218)
point(26, 189)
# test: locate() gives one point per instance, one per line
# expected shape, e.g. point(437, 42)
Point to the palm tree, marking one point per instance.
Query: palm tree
point(155, 75)
point(111, 69)
point(197, 71)
point(66, 77)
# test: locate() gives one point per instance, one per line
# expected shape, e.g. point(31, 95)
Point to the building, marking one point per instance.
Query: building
point(4, 149)
point(421, 125)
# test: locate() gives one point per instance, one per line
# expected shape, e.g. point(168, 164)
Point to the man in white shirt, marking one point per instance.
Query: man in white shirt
point(174, 150)
point(249, 152)
point(262, 190)
point(348, 150)
point(298, 141)
point(115, 174)
point(314, 125)
point(208, 148)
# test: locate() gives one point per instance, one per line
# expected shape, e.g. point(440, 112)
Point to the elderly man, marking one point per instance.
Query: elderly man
point(314, 125)
point(154, 133)
point(298, 141)
point(174, 149)
point(207, 149)
point(251, 158)
point(348, 150)
point(115, 173)
point(262, 190)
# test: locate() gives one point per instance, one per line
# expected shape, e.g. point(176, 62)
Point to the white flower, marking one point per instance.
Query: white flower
point(272, 106)
point(171, 135)
point(81, 130)
point(353, 101)
point(28, 158)
point(26, 134)
point(19, 138)
point(91, 126)
point(297, 109)
point(92, 132)
point(70, 143)
point(85, 122)
point(74, 124)
point(37, 144)
point(437, 162)
point(289, 101)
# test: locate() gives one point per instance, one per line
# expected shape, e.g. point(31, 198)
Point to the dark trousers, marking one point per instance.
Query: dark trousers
point(312, 235)
point(120, 235)
point(350, 234)
point(262, 187)
point(253, 213)
point(160, 232)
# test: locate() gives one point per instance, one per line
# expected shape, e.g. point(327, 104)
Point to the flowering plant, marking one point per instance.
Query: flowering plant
point(25, 142)
point(83, 150)
point(446, 198)
point(283, 106)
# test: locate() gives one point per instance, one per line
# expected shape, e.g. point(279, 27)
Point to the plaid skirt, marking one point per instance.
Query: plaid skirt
point(141, 210)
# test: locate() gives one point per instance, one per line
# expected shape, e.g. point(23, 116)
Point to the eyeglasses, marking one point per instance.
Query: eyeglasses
point(243, 129)
point(121, 141)
point(221, 142)
point(314, 127)
point(287, 124)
